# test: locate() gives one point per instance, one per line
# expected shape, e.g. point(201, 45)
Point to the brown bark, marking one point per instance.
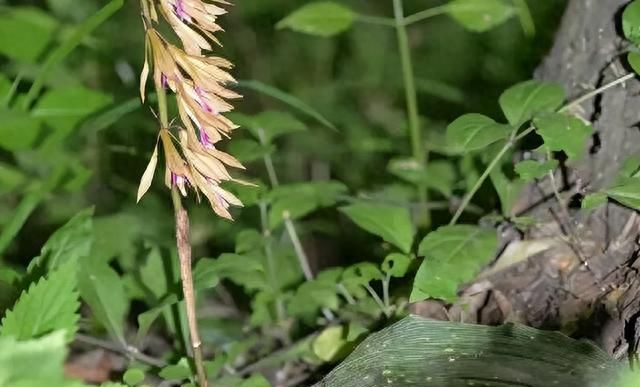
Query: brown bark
point(553, 288)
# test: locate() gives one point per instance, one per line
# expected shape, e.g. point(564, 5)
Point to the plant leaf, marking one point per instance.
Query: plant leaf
point(474, 131)
point(51, 304)
point(562, 132)
point(102, 288)
point(627, 192)
point(396, 264)
point(593, 200)
point(530, 169)
point(453, 255)
point(631, 22)
point(528, 99)
point(329, 342)
point(417, 352)
point(323, 18)
point(273, 124)
point(393, 224)
point(480, 15)
point(25, 33)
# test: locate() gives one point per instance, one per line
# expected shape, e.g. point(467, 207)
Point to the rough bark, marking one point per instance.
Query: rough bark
point(577, 274)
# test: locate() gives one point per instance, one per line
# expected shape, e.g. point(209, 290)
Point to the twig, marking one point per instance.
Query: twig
point(128, 350)
point(184, 253)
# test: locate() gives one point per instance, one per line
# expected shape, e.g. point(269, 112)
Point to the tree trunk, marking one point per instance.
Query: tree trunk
point(576, 271)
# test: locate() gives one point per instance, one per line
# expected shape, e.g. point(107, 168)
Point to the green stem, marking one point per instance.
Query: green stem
point(268, 161)
point(524, 15)
point(418, 149)
point(385, 292)
point(268, 248)
point(427, 14)
point(377, 20)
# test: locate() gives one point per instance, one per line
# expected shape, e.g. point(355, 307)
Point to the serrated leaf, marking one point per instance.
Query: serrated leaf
point(473, 132)
point(418, 352)
point(178, 371)
point(392, 224)
point(322, 18)
point(49, 305)
point(38, 362)
point(562, 132)
point(329, 342)
point(453, 256)
point(631, 22)
point(627, 192)
point(311, 296)
point(480, 15)
point(102, 288)
point(530, 169)
point(243, 270)
point(528, 99)
point(593, 200)
point(70, 243)
point(396, 264)
point(269, 125)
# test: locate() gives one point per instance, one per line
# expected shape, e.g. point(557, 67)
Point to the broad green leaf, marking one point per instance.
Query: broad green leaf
point(439, 175)
point(25, 32)
point(361, 274)
point(393, 224)
point(301, 199)
point(396, 264)
point(311, 296)
point(246, 150)
point(418, 352)
point(63, 109)
point(153, 273)
point(323, 18)
point(18, 130)
point(288, 99)
point(634, 61)
point(248, 241)
point(453, 256)
point(133, 376)
point(269, 125)
point(594, 200)
point(11, 178)
point(178, 371)
point(528, 99)
point(630, 168)
point(508, 190)
point(355, 330)
point(102, 288)
point(243, 270)
point(70, 243)
point(480, 15)
point(631, 22)
point(329, 342)
point(51, 304)
point(562, 132)
point(31, 363)
point(530, 169)
point(626, 192)
point(473, 132)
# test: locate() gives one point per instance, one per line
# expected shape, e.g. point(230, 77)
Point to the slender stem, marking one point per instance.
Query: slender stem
point(427, 14)
point(476, 187)
point(596, 92)
point(418, 149)
point(377, 20)
point(526, 20)
point(377, 299)
point(186, 275)
point(385, 292)
point(268, 249)
point(127, 350)
point(302, 257)
point(345, 293)
point(268, 161)
point(184, 254)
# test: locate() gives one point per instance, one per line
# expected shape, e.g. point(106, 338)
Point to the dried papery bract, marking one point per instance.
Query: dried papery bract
point(199, 83)
point(192, 161)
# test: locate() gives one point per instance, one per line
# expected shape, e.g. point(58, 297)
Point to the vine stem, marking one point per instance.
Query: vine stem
point(418, 150)
point(514, 139)
point(184, 254)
